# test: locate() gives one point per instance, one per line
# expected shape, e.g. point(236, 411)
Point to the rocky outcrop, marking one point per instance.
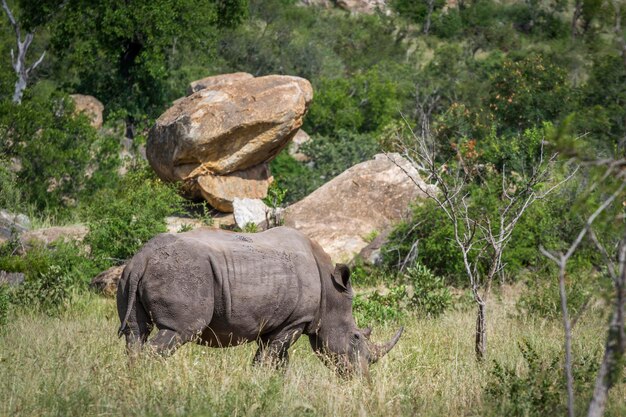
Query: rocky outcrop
point(48, 235)
point(11, 278)
point(106, 282)
point(368, 198)
point(220, 137)
point(91, 106)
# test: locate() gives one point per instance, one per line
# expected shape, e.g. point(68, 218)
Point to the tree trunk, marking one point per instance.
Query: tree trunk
point(429, 14)
point(615, 348)
point(481, 333)
point(578, 12)
point(567, 329)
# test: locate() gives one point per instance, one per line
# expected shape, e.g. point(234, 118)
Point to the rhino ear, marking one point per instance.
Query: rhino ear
point(341, 277)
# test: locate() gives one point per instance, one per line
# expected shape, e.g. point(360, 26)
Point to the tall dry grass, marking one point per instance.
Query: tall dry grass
point(76, 366)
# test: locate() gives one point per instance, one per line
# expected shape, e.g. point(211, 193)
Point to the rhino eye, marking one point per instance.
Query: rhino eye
point(357, 336)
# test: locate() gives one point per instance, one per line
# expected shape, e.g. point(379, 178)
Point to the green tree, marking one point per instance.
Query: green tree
point(123, 52)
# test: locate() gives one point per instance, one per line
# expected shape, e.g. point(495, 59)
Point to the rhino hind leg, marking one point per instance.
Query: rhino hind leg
point(138, 328)
point(274, 349)
point(165, 342)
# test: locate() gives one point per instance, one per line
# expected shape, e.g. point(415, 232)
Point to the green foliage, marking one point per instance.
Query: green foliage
point(431, 297)
point(330, 156)
point(124, 53)
point(55, 148)
point(377, 307)
point(5, 305)
point(11, 196)
point(123, 218)
point(364, 102)
point(51, 276)
point(435, 248)
point(417, 290)
point(541, 299)
point(540, 389)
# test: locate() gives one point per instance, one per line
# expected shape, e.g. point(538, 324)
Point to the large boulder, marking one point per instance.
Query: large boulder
point(217, 81)
point(229, 128)
point(368, 198)
point(91, 106)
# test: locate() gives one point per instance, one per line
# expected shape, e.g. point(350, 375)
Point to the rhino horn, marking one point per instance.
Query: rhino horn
point(378, 351)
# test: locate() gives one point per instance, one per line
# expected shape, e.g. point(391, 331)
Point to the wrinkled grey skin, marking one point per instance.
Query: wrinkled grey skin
point(222, 289)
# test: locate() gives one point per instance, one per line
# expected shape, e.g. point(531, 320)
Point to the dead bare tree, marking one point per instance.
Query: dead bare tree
point(19, 62)
point(561, 259)
point(616, 343)
point(481, 237)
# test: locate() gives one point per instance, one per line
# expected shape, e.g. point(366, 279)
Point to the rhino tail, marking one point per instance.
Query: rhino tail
point(128, 291)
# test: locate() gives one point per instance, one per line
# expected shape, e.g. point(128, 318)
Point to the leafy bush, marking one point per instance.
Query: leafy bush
point(51, 275)
point(377, 307)
point(431, 297)
point(539, 390)
point(418, 290)
point(436, 249)
point(123, 218)
point(56, 149)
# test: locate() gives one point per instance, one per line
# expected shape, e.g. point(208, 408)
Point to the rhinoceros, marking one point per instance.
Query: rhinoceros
point(222, 288)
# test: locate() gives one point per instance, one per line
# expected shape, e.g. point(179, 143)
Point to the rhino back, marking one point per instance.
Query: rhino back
point(252, 283)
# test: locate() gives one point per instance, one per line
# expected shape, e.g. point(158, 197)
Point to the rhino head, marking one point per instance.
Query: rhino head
point(338, 341)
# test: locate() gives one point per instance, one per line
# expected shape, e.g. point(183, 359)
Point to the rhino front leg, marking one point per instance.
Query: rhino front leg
point(274, 349)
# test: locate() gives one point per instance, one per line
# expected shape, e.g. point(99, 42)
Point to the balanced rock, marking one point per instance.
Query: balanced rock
point(368, 198)
point(217, 81)
point(91, 106)
point(219, 138)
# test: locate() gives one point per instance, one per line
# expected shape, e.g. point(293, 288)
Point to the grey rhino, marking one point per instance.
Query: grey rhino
point(221, 289)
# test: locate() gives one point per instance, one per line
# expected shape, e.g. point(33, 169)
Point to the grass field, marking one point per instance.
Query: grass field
point(76, 366)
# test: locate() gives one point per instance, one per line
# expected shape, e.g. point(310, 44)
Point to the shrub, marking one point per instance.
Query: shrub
point(540, 389)
point(55, 148)
point(51, 275)
point(123, 218)
point(377, 307)
point(431, 297)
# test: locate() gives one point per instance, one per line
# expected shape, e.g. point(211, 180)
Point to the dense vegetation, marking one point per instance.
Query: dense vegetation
point(491, 81)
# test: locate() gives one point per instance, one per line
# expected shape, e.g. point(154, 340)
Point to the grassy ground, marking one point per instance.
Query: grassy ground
point(75, 365)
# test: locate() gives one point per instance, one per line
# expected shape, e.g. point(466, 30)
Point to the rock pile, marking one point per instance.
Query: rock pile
point(219, 139)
